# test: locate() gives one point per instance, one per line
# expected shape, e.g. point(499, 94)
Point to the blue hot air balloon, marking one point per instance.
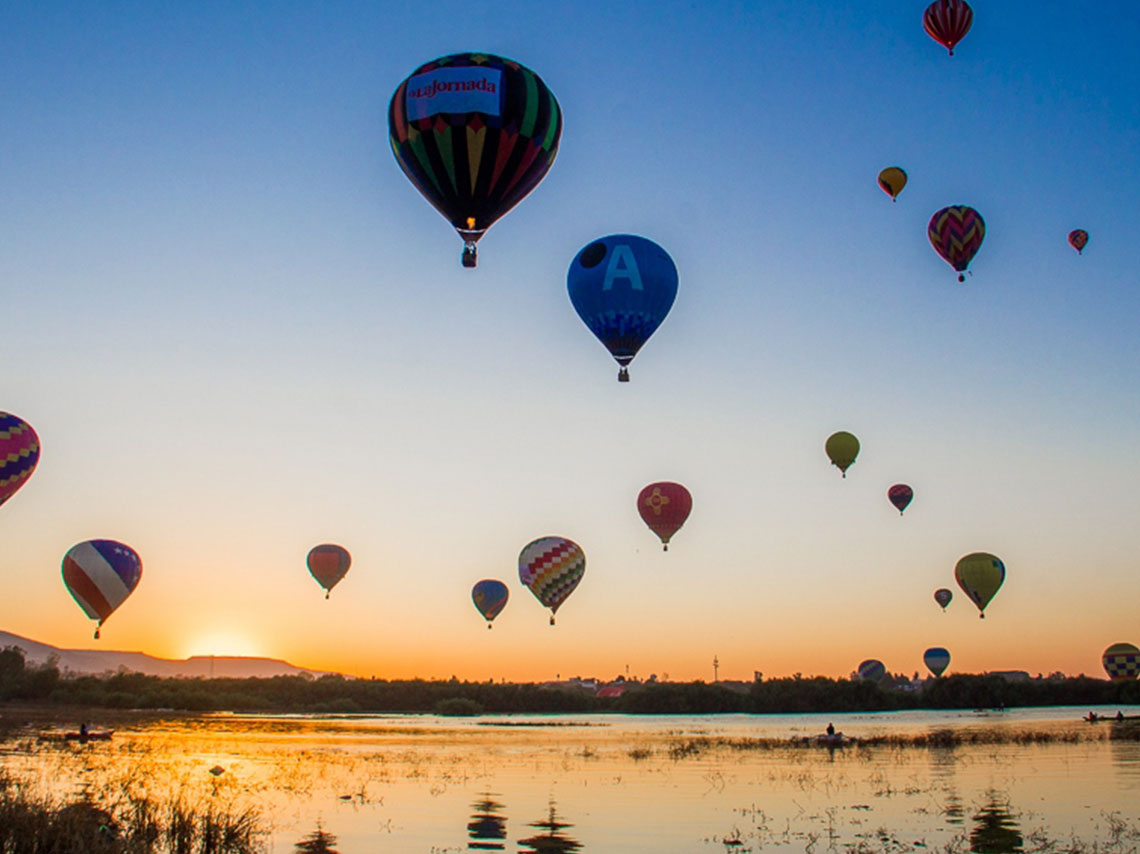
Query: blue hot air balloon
point(490, 597)
point(936, 659)
point(622, 286)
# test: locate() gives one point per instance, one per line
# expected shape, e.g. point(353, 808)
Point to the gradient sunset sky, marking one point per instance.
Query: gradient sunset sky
point(239, 332)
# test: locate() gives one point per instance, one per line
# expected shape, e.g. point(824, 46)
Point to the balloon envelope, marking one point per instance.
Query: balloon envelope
point(664, 507)
point(474, 133)
point(900, 495)
point(328, 563)
point(871, 670)
point(1078, 239)
point(1121, 662)
point(936, 660)
point(551, 567)
point(19, 453)
point(892, 180)
point(842, 448)
point(943, 596)
point(490, 597)
point(948, 21)
point(980, 575)
point(100, 575)
point(956, 233)
point(622, 286)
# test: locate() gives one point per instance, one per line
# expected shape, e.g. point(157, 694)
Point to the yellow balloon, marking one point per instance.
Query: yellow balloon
point(980, 575)
point(892, 180)
point(842, 449)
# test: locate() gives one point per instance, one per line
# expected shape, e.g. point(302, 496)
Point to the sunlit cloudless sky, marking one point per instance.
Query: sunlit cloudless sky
point(239, 332)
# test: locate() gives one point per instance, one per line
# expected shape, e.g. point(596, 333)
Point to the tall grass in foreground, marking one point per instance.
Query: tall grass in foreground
point(35, 823)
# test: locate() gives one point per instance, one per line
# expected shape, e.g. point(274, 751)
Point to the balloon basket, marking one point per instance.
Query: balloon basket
point(552, 621)
point(470, 257)
point(665, 547)
point(623, 374)
point(327, 594)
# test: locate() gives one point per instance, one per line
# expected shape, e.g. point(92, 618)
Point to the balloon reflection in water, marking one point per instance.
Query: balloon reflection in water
point(553, 841)
point(994, 830)
point(488, 826)
point(317, 842)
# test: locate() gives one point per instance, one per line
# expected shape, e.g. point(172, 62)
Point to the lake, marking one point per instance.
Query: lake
point(1018, 780)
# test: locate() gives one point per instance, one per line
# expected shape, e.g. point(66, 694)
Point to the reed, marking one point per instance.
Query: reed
point(35, 822)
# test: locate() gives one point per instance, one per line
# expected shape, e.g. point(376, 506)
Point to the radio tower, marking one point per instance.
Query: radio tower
point(716, 669)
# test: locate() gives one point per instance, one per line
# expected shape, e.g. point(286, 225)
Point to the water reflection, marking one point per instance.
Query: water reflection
point(317, 842)
point(487, 826)
point(551, 842)
point(995, 831)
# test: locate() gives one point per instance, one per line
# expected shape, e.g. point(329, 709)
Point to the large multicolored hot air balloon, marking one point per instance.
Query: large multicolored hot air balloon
point(956, 233)
point(100, 575)
point(1078, 239)
point(19, 453)
point(891, 181)
point(490, 597)
point(980, 575)
point(871, 670)
point(842, 448)
point(948, 21)
point(1121, 662)
point(664, 507)
point(551, 568)
point(943, 596)
point(936, 660)
point(328, 563)
point(900, 495)
point(474, 133)
point(622, 286)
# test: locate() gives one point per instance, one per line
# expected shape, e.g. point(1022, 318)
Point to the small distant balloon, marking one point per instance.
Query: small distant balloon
point(664, 507)
point(842, 448)
point(622, 286)
point(936, 660)
point(1078, 239)
point(943, 596)
point(900, 495)
point(980, 575)
point(956, 233)
point(871, 670)
point(100, 575)
point(1121, 662)
point(328, 564)
point(892, 180)
point(490, 597)
point(551, 568)
point(19, 454)
point(948, 21)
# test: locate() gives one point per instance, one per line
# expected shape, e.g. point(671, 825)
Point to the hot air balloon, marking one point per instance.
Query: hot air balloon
point(1078, 239)
point(980, 575)
point(551, 567)
point(948, 21)
point(956, 233)
point(943, 596)
point(664, 507)
point(842, 448)
point(490, 597)
point(1121, 662)
point(622, 286)
point(19, 453)
point(936, 660)
point(100, 575)
point(900, 495)
point(892, 180)
point(474, 133)
point(871, 670)
point(328, 563)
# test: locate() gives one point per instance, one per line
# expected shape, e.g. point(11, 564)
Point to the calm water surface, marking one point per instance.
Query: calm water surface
point(659, 784)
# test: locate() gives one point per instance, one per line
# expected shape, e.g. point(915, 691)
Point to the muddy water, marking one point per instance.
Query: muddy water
point(631, 784)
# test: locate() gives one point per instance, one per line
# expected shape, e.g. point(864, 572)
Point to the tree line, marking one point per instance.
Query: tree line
point(24, 682)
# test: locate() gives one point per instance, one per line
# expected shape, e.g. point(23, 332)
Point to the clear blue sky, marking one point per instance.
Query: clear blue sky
point(240, 331)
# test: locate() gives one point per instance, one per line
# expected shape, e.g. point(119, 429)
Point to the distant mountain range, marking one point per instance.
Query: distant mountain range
point(99, 661)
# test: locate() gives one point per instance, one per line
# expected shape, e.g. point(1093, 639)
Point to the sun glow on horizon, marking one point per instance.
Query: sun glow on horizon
point(222, 644)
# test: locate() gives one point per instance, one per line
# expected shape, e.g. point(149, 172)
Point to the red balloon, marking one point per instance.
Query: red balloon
point(1078, 238)
point(900, 495)
point(664, 506)
point(948, 21)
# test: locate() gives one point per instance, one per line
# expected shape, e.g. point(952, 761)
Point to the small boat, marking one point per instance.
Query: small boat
point(76, 735)
point(834, 739)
